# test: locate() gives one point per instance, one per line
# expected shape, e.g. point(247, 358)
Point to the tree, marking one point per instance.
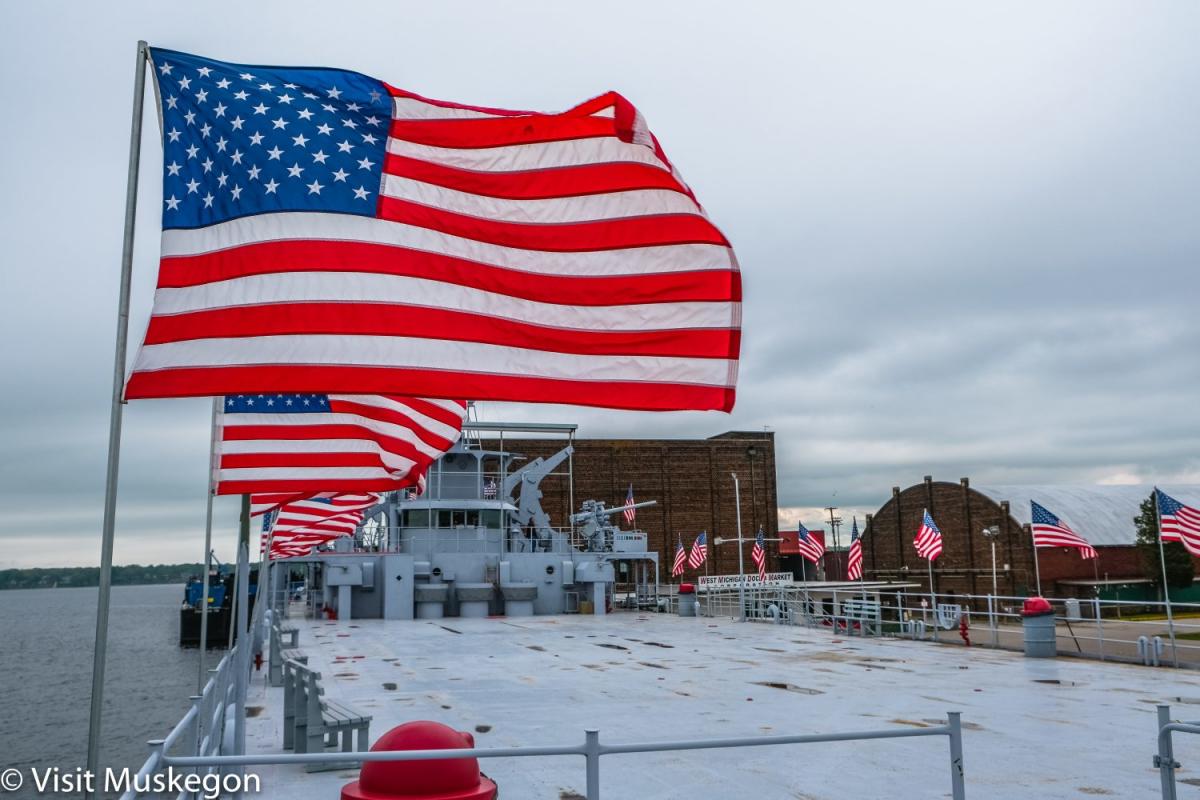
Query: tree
point(1180, 569)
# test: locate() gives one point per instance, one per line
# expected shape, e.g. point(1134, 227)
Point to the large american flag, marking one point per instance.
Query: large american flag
point(758, 554)
point(1050, 531)
point(326, 232)
point(929, 538)
point(281, 447)
point(811, 543)
point(699, 552)
point(680, 558)
point(1179, 523)
point(854, 561)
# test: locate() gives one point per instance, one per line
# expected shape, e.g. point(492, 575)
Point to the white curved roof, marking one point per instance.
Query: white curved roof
point(1101, 514)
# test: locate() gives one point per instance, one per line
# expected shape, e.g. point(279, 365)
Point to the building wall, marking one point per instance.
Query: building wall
point(690, 479)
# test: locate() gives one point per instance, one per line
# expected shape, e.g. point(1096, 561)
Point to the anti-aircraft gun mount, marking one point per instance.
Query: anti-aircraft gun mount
point(602, 535)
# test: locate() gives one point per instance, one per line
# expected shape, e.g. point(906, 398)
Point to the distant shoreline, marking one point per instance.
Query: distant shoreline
point(89, 577)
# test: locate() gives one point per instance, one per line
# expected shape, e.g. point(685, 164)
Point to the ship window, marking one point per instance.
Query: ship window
point(445, 518)
point(417, 518)
point(490, 518)
point(472, 518)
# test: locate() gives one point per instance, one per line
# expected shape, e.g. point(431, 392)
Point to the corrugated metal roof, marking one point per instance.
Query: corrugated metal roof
point(1101, 514)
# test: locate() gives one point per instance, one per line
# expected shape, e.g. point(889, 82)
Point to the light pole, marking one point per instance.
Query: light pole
point(737, 500)
point(991, 533)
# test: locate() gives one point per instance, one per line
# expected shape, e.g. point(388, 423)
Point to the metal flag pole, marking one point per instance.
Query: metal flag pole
point(1162, 560)
point(737, 501)
point(1037, 573)
point(114, 423)
point(242, 664)
point(207, 549)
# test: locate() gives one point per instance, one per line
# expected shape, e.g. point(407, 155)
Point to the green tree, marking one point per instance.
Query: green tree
point(1180, 569)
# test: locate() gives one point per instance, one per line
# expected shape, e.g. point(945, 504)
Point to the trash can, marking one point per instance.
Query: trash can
point(687, 600)
point(1037, 621)
point(1073, 612)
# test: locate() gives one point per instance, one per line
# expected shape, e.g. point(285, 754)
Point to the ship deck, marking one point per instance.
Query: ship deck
point(1061, 728)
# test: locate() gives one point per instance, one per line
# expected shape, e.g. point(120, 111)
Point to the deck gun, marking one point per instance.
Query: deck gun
point(596, 525)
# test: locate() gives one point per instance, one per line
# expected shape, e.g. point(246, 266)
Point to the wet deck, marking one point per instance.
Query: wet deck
point(1063, 728)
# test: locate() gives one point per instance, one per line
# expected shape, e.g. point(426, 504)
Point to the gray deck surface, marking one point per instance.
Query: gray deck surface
point(1064, 728)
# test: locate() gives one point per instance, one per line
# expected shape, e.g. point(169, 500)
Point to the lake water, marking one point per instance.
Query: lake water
point(46, 675)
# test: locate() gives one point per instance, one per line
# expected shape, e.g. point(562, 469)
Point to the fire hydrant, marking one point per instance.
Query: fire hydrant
point(964, 629)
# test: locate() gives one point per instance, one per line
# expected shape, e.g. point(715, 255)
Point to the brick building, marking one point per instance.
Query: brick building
point(690, 479)
point(1102, 514)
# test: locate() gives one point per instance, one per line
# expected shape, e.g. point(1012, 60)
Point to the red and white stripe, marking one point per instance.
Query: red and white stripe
point(1183, 526)
point(1061, 536)
point(339, 515)
point(360, 443)
point(514, 256)
point(854, 561)
point(680, 562)
point(812, 548)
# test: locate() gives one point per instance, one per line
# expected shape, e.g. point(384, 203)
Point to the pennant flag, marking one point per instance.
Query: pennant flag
point(1179, 523)
point(854, 561)
point(680, 559)
point(323, 231)
point(811, 545)
point(929, 539)
point(758, 554)
point(630, 511)
point(699, 552)
point(1050, 531)
point(283, 447)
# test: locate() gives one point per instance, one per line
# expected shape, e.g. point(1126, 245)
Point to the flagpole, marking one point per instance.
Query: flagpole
point(932, 596)
point(737, 499)
point(208, 514)
point(1037, 573)
point(114, 424)
point(1162, 561)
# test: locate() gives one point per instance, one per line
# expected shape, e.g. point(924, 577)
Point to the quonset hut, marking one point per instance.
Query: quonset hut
point(1104, 515)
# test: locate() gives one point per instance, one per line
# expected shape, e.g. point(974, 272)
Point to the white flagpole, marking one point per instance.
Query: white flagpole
point(1037, 574)
point(208, 547)
point(114, 424)
point(1162, 560)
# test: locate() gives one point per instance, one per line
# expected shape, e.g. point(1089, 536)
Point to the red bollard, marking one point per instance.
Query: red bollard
point(443, 779)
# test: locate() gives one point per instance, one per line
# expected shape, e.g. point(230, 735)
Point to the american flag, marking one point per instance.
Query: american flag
point(1179, 523)
point(758, 554)
point(854, 561)
point(490, 489)
point(289, 545)
point(630, 511)
point(929, 539)
point(333, 516)
point(811, 544)
point(326, 232)
point(281, 447)
point(699, 551)
point(1050, 531)
point(680, 559)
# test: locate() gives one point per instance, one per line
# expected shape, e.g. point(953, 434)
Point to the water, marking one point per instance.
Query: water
point(46, 674)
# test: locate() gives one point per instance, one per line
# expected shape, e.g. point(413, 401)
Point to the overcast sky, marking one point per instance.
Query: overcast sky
point(968, 233)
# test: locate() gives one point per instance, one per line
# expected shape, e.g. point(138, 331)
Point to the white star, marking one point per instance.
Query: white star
point(246, 76)
point(237, 123)
point(285, 98)
point(328, 107)
point(172, 203)
point(294, 170)
point(221, 179)
point(372, 121)
point(304, 113)
point(201, 96)
point(173, 135)
point(205, 130)
point(270, 402)
point(204, 71)
point(266, 87)
point(221, 143)
point(310, 95)
point(193, 185)
point(306, 401)
point(365, 164)
point(185, 83)
point(230, 401)
point(172, 101)
point(353, 107)
point(193, 151)
point(250, 401)
point(274, 153)
point(341, 175)
point(349, 123)
point(260, 109)
point(190, 116)
point(219, 110)
point(369, 139)
point(335, 92)
point(207, 164)
point(320, 156)
point(236, 156)
point(241, 95)
point(271, 186)
point(208, 200)
point(165, 68)
point(323, 128)
point(375, 96)
point(300, 140)
point(223, 83)
point(344, 146)
point(360, 193)
point(173, 168)
point(287, 402)
point(256, 138)
point(253, 172)
point(315, 188)
point(236, 191)
point(280, 123)
point(290, 86)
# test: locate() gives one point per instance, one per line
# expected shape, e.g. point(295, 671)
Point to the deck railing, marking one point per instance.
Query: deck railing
point(1164, 759)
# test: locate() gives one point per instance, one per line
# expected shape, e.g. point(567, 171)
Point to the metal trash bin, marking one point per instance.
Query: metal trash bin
point(1073, 611)
point(687, 600)
point(1037, 622)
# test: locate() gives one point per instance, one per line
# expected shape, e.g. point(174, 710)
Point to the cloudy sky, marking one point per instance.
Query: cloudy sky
point(968, 231)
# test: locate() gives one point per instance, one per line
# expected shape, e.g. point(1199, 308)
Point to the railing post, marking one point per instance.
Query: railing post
point(1100, 626)
point(991, 605)
point(958, 784)
point(1165, 760)
point(591, 753)
point(198, 705)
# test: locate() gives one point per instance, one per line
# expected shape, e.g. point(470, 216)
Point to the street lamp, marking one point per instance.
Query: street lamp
point(991, 533)
point(737, 499)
